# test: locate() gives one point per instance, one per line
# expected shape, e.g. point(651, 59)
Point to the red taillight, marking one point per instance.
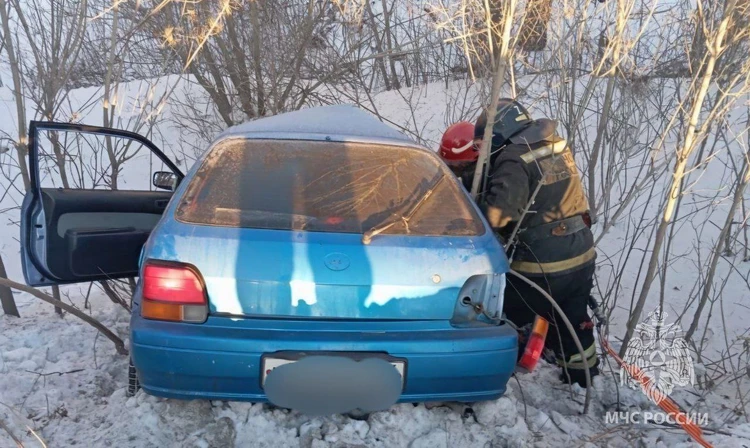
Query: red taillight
point(173, 292)
point(535, 345)
point(176, 284)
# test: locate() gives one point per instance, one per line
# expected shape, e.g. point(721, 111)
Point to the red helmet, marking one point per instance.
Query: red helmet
point(457, 144)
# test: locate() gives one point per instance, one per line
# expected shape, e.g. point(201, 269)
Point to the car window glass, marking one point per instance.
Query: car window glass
point(79, 160)
point(325, 186)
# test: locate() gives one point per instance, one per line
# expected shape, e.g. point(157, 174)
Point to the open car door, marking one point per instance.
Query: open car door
point(81, 219)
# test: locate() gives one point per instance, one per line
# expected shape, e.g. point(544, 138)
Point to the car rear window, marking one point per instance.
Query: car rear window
point(327, 187)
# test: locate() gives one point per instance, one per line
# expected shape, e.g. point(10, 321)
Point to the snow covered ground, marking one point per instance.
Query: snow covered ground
point(68, 385)
point(59, 379)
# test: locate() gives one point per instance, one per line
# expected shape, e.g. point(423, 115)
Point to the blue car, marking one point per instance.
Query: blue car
point(322, 239)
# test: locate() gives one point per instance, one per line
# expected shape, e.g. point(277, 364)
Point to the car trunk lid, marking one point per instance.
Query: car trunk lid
point(285, 274)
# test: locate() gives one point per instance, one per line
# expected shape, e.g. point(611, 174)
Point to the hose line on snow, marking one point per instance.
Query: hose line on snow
point(570, 329)
point(666, 403)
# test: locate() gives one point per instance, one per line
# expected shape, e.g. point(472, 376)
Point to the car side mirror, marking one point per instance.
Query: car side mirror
point(165, 180)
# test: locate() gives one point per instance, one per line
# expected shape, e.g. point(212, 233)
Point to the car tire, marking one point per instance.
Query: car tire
point(133, 384)
point(358, 414)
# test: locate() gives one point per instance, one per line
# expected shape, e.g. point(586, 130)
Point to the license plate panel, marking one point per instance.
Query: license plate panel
point(272, 361)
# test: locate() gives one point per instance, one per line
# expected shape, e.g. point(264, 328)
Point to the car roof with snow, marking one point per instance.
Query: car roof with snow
point(340, 123)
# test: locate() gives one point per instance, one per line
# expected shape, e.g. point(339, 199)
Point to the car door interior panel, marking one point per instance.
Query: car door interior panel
point(87, 259)
point(98, 233)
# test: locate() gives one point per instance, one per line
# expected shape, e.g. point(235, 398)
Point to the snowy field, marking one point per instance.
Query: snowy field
point(63, 383)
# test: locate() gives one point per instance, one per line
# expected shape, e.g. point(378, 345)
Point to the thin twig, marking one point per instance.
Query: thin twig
point(33, 433)
point(55, 373)
point(523, 398)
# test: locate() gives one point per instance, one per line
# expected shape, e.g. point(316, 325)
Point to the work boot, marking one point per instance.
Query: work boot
point(578, 376)
point(573, 368)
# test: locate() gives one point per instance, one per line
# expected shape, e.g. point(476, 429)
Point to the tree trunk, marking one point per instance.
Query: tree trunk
point(238, 71)
point(56, 295)
point(22, 142)
point(533, 33)
point(108, 109)
point(6, 295)
point(258, 60)
point(597, 149)
point(389, 45)
point(484, 151)
point(378, 48)
point(60, 159)
point(500, 64)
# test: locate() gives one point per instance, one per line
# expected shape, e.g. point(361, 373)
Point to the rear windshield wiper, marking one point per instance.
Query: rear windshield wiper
point(405, 217)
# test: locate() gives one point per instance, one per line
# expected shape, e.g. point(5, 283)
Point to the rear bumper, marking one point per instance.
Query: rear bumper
point(221, 359)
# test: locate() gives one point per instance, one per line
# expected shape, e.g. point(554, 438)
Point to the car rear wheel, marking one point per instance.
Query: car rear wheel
point(133, 384)
point(358, 414)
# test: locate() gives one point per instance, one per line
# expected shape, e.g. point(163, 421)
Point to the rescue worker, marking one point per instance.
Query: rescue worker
point(530, 165)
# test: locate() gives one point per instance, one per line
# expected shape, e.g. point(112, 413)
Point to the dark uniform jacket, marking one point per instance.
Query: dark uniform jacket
point(554, 238)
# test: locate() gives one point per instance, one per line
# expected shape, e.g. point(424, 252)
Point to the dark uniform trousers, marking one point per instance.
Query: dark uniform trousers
point(571, 292)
